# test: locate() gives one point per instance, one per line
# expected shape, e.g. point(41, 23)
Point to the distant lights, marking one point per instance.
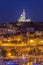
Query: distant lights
point(41, 41)
point(31, 41)
point(8, 54)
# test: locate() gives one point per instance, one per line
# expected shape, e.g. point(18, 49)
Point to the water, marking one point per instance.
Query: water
point(10, 63)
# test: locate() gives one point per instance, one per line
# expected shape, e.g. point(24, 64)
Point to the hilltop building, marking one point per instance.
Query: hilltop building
point(23, 17)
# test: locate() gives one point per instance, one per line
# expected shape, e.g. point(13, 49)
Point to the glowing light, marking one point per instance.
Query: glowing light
point(8, 54)
point(41, 41)
point(31, 41)
point(25, 44)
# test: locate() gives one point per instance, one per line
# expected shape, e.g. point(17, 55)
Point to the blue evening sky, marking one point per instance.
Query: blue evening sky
point(10, 10)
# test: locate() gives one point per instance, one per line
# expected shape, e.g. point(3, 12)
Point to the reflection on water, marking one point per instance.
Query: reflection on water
point(20, 62)
point(10, 63)
point(14, 63)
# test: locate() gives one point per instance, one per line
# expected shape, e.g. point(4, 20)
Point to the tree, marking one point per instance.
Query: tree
point(35, 51)
point(14, 52)
point(3, 52)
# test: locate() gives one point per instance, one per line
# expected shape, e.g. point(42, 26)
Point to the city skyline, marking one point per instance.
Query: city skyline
point(11, 10)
